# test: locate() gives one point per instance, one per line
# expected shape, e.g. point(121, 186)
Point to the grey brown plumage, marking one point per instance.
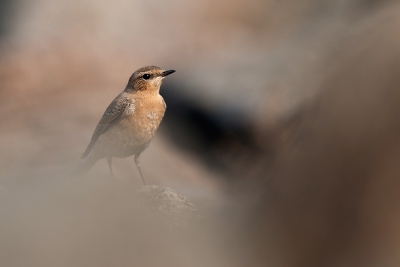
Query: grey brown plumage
point(111, 116)
point(130, 121)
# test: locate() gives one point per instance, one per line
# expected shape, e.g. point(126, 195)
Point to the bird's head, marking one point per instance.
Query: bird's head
point(147, 79)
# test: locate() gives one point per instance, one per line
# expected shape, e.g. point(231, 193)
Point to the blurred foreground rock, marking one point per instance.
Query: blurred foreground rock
point(169, 206)
point(331, 195)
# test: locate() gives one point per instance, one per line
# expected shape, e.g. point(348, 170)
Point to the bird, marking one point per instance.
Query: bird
point(129, 123)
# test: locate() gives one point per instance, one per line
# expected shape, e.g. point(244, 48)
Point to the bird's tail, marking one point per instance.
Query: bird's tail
point(85, 166)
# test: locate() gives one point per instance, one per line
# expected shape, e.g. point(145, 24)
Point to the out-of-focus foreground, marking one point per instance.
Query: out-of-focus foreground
point(282, 127)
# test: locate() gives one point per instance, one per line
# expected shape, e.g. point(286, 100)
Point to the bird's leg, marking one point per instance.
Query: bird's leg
point(109, 161)
point(137, 164)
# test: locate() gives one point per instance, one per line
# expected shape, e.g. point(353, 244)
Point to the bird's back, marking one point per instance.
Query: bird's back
point(114, 113)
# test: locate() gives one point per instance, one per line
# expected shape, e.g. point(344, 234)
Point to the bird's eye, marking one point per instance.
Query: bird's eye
point(146, 76)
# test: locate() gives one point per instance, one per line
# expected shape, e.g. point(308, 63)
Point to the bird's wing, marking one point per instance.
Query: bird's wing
point(110, 117)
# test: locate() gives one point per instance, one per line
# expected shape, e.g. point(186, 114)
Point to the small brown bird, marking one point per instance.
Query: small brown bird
point(130, 121)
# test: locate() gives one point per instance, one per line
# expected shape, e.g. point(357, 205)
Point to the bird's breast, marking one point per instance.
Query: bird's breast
point(143, 122)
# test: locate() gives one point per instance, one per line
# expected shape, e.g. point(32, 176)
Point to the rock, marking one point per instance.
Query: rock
point(171, 207)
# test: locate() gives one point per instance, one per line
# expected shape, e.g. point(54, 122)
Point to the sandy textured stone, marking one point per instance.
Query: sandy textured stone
point(172, 208)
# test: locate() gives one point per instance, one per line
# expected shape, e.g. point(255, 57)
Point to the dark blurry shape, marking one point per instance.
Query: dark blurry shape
point(218, 137)
point(6, 13)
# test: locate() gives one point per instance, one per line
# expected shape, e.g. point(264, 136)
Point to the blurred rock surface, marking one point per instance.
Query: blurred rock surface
point(172, 208)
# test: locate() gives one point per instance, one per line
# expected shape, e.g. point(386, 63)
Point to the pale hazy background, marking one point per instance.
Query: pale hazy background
point(282, 127)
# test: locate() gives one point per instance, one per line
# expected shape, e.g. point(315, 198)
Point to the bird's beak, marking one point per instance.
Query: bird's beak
point(167, 72)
